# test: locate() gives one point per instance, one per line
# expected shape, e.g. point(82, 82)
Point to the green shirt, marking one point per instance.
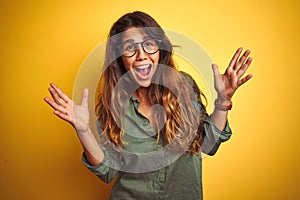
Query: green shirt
point(171, 179)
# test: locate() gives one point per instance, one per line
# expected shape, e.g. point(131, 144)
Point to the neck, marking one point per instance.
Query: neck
point(142, 94)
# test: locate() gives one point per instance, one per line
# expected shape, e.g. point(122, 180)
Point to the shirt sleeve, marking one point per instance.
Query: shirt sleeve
point(213, 137)
point(107, 169)
point(104, 172)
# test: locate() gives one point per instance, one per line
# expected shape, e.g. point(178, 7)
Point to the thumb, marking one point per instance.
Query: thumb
point(85, 95)
point(215, 70)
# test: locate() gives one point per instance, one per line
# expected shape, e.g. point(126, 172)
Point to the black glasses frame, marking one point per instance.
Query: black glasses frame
point(142, 45)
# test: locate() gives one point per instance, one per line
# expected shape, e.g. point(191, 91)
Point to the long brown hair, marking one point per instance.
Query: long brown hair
point(183, 121)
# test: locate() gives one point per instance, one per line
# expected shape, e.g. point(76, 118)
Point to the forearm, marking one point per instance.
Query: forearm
point(220, 113)
point(92, 149)
point(219, 118)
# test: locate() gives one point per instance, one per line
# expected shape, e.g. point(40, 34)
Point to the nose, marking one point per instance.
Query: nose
point(141, 54)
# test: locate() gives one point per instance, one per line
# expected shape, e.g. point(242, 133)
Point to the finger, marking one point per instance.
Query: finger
point(50, 103)
point(215, 70)
point(244, 80)
point(242, 60)
point(244, 68)
point(63, 116)
point(56, 97)
point(55, 106)
point(60, 92)
point(85, 95)
point(235, 57)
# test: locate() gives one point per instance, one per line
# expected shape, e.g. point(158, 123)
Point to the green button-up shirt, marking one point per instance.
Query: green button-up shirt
point(170, 179)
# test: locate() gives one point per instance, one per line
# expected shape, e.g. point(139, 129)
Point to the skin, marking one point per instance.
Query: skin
point(140, 58)
point(78, 115)
point(226, 84)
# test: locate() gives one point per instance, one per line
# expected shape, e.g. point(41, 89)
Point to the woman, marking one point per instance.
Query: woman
point(151, 120)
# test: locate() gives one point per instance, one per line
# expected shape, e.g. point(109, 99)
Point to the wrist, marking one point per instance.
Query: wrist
point(83, 131)
point(223, 104)
point(224, 98)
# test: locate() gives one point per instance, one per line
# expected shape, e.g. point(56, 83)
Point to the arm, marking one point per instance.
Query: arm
point(78, 117)
point(212, 136)
point(216, 127)
point(226, 84)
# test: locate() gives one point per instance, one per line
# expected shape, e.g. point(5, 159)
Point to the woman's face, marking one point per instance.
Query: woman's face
point(142, 65)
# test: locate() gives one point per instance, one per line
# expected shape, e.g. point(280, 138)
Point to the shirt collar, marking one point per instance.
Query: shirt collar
point(133, 98)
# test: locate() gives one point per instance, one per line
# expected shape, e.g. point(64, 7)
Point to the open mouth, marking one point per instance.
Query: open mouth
point(143, 72)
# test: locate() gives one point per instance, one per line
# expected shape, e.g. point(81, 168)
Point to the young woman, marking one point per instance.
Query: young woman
point(151, 120)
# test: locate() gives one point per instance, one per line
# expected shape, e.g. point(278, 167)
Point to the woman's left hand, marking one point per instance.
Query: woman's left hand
point(226, 84)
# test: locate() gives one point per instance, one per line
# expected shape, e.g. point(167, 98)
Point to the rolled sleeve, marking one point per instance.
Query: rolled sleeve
point(106, 170)
point(213, 137)
point(103, 171)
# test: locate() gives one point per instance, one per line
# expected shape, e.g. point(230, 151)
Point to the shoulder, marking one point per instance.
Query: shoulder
point(189, 79)
point(185, 75)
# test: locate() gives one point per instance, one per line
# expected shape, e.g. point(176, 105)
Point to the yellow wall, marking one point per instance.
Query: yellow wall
point(44, 41)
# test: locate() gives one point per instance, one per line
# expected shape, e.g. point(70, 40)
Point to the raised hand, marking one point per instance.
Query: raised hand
point(66, 109)
point(226, 84)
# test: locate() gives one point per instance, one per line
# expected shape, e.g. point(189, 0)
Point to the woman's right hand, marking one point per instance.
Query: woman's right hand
point(66, 109)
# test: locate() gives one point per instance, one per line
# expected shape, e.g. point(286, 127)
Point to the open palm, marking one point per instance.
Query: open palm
point(66, 109)
point(226, 84)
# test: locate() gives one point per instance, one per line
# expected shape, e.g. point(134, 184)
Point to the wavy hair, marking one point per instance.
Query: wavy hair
point(183, 125)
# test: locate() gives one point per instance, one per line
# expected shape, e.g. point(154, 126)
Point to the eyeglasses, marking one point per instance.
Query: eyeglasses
point(129, 48)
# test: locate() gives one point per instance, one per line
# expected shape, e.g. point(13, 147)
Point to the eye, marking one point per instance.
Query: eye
point(150, 43)
point(128, 46)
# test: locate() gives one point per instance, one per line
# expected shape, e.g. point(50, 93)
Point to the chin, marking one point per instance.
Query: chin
point(144, 84)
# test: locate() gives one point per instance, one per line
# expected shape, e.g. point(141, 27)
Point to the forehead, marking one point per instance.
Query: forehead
point(133, 33)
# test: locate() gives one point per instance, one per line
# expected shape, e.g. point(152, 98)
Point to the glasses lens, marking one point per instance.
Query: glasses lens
point(150, 46)
point(128, 48)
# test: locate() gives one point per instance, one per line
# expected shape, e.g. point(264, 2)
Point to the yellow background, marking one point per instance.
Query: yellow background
point(45, 41)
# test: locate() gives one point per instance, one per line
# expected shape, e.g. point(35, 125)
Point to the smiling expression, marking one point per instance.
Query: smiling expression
point(141, 65)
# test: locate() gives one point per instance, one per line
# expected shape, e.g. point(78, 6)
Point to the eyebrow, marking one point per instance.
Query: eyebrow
point(131, 40)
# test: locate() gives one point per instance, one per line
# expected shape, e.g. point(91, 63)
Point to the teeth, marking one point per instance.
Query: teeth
point(143, 66)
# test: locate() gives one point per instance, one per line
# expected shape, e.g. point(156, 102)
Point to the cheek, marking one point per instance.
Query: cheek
point(155, 58)
point(127, 63)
